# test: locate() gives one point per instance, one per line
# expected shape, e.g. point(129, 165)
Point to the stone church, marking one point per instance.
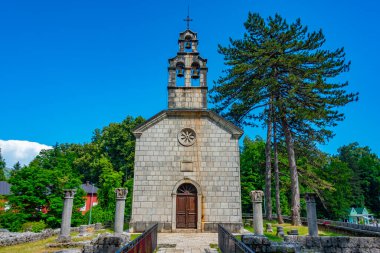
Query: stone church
point(187, 165)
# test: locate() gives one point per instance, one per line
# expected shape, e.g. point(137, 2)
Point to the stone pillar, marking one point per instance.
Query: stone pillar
point(64, 235)
point(311, 214)
point(257, 200)
point(121, 195)
point(82, 230)
point(98, 226)
point(269, 227)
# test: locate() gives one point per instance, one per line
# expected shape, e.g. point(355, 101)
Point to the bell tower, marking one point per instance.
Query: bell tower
point(187, 86)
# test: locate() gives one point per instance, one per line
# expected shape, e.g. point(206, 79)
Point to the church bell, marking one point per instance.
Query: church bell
point(195, 74)
point(180, 72)
point(188, 45)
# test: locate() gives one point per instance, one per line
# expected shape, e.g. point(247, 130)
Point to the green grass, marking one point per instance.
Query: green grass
point(134, 236)
point(215, 246)
point(39, 246)
point(302, 230)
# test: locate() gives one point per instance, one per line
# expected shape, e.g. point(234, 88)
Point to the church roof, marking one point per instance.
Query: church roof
point(89, 189)
point(5, 188)
point(235, 131)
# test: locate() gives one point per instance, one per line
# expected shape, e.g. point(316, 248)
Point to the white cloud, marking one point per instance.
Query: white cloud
point(14, 151)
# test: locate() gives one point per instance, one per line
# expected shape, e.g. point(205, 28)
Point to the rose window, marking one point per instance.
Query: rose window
point(187, 137)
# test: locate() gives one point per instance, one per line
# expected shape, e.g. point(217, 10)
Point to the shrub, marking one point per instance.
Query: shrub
point(12, 220)
point(35, 227)
point(99, 215)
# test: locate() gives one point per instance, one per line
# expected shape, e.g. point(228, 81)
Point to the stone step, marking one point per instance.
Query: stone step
point(187, 230)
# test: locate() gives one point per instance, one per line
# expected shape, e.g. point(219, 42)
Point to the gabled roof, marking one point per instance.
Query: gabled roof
point(187, 31)
point(357, 211)
point(89, 189)
point(5, 188)
point(360, 210)
point(235, 131)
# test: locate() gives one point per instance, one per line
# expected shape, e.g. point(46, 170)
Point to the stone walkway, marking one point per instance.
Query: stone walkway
point(186, 242)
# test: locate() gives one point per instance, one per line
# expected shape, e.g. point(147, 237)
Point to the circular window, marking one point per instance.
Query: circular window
point(187, 136)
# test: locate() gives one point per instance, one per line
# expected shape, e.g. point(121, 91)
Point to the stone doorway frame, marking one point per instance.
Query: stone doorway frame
point(199, 203)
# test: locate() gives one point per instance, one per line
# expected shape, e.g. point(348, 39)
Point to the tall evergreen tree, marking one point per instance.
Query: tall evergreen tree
point(268, 169)
point(286, 62)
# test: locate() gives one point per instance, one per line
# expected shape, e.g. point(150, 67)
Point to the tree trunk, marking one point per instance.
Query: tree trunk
point(295, 203)
point(268, 169)
point(276, 175)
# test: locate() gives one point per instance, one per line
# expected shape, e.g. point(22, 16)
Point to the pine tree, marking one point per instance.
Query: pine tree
point(286, 62)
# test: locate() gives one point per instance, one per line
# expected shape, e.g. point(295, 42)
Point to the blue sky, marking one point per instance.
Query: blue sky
point(69, 67)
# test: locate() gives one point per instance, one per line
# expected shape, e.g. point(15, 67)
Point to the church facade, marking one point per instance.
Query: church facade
point(187, 160)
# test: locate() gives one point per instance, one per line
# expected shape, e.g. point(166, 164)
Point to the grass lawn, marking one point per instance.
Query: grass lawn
point(302, 230)
point(215, 246)
point(39, 246)
point(134, 236)
point(31, 247)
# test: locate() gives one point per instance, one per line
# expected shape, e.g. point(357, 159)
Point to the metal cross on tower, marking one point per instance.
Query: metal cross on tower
point(188, 19)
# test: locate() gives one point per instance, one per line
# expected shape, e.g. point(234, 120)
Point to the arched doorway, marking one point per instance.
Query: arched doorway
point(186, 206)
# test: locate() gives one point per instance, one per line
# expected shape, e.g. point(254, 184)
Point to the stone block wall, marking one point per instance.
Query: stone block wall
point(162, 164)
point(338, 244)
point(317, 244)
point(187, 97)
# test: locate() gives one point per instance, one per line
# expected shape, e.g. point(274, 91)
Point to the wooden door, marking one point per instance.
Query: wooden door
point(186, 206)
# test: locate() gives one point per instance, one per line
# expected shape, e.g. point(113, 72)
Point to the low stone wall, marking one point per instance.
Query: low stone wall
point(318, 244)
point(338, 244)
point(350, 231)
point(262, 244)
point(11, 238)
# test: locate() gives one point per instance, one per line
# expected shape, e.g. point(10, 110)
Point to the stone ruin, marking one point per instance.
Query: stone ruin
point(299, 244)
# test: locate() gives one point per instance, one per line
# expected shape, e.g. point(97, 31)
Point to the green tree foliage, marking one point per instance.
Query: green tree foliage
point(117, 141)
point(107, 161)
point(11, 220)
point(252, 173)
point(336, 200)
point(284, 67)
point(109, 181)
point(330, 177)
point(2, 168)
point(87, 162)
point(40, 185)
point(128, 201)
point(365, 180)
point(252, 169)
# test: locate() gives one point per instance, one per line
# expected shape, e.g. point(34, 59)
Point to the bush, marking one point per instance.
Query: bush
point(12, 220)
point(99, 215)
point(35, 227)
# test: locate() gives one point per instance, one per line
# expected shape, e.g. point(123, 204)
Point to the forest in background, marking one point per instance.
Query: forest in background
point(350, 178)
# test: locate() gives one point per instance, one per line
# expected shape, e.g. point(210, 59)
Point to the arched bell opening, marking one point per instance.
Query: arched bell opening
point(195, 74)
point(188, 46)
point(180, 74)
